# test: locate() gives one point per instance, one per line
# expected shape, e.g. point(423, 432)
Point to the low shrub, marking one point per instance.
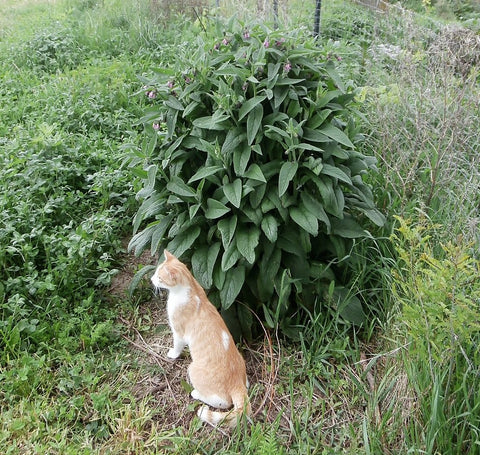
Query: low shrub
point(251, 175)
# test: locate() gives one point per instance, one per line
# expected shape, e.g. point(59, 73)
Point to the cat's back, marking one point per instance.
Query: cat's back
point(211, 340)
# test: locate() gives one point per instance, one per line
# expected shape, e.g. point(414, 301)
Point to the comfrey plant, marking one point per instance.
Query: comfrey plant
point(251, 173)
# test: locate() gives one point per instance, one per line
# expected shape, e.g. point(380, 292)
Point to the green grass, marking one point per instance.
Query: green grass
point(74, 377)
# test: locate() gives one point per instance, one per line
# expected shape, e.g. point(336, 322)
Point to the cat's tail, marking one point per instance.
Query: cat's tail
point(241, 405)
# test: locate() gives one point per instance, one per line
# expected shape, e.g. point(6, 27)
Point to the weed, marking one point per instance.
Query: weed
point(438, 294)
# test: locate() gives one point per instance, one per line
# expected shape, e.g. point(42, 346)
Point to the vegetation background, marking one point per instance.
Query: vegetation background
point(74, 377)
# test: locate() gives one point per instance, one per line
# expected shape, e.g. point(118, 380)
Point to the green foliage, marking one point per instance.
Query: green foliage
point(438, 292)
point(447, 9)
point(64, 202)
point(52, 51)
point(58, 234)
point(251, 171)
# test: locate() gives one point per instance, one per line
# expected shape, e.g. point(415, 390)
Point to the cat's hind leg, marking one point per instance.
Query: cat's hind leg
point(212, 400)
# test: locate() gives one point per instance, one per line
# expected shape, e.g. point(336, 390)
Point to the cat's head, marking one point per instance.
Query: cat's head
point(170, 273)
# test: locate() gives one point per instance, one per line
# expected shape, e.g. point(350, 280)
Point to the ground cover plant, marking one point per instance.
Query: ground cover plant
point(82, 364)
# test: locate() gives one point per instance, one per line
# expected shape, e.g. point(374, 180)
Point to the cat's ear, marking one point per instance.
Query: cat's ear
point(168, 255)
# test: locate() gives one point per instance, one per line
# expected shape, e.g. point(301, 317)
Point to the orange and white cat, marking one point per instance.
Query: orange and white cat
point(217, 371)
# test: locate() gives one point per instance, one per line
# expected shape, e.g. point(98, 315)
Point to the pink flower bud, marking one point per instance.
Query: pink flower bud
point(266, 43)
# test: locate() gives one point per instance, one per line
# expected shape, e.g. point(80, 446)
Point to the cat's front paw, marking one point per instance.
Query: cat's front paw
point(203, 412)
point(173, 354)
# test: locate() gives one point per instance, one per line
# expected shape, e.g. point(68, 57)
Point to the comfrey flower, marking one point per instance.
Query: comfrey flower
point(246, 34)
point(266, 43)
point(225, 42)
point(156, 126)
point(152, 94)
point(216, 46)
point(287, 67)
point(170, 84)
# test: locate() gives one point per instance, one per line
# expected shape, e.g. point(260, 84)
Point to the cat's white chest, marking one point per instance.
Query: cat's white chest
point(178, 296)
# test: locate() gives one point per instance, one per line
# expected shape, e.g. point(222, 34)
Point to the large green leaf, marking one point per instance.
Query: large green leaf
point(254, 215)
point(159, 232)
point(333, 171)
point(280, 93)
point(205, 172)
point(234, 280)
point(233, 192)
point(172, 116)
point(348, 305)
point(336, 134)
point(173, 102)
point(139, 276)
point(304, 219)
point(193, 210)
point(257, 195)
point(310, 134)
point(269, 267)
point(327, 192)
point(149, 186)
point(276, 133)
point(332, 72)
point(255, 173)
point(249, 105)
point(318, 118)
point(173, 147)
point(141, 239)
point(235, 137)
point(375, 216)
point(315, 208)
point(203, 262)
point(215, 209)
point(230, 257)
point(178, 186)
point(247, 241)
point(348, 228)
point(184, 240)
point(150, 206)
point(212, 122)
point(241, 158)
point(227, 228)
point(270, 227)
point(287, 172)
point(254, 122)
